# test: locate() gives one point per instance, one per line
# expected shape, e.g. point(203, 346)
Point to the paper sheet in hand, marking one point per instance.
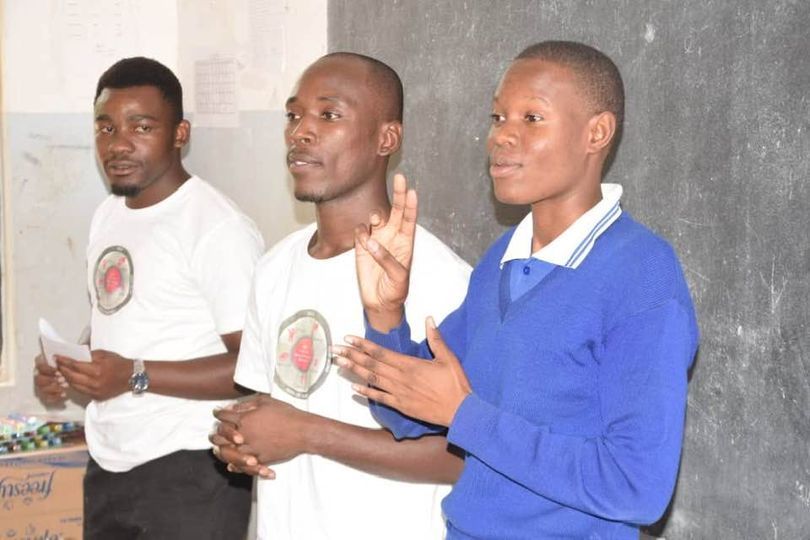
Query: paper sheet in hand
point(52, 343)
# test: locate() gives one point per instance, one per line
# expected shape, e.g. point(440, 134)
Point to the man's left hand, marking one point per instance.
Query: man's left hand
point(105, 377)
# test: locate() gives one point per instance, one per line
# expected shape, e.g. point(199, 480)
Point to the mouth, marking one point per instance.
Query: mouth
point(301, 160)
point(500, 166)
point(120, 168)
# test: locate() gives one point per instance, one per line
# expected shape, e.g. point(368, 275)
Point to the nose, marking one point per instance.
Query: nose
point(504, 133)
point(300, 131)
point(120, 143)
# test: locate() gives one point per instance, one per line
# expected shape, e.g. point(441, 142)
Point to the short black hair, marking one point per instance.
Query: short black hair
point(386, 82)
point(599, 78)
point(141, 71)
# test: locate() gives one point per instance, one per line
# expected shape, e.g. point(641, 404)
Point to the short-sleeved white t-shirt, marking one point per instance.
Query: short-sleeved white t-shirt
point(164, 283)
point(298, 308)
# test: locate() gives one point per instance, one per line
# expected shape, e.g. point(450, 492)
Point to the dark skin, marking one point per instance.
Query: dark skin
point(547, 149)
point(338, 144)
point(138, 144)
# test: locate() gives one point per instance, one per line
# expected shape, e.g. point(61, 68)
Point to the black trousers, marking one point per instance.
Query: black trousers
point(185, 495)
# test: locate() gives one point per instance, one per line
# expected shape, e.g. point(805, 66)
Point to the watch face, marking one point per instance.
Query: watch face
point(138, 383)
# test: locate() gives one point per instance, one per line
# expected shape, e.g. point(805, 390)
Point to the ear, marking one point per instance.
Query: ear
point(601, 130)
point(182, 133)
point(390, 138)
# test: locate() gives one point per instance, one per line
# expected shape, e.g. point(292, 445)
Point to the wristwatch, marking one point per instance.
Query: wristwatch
point(139, 381)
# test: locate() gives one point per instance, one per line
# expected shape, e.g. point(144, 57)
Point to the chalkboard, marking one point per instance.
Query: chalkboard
point(715, 157)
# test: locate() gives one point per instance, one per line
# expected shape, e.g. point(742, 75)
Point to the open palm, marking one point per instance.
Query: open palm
point(384, 254)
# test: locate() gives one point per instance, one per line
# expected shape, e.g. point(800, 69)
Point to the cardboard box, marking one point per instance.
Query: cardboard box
point(41, 496)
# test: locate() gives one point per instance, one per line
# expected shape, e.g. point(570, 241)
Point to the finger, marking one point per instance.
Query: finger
point(50, 388)
point(261, 471)
point(88, 369)
point(217, 440)
point(228, 416)
point(436, 341)
point(245, 406)
point(365, 367)
point(392, 267)
point(376, 221)
point(377, 395)
point(43, 367)
point(398, 201)
point(80, 382)
point(392, 359)
point(237, 455)
point(408, 225)
point(230, 433)
point(51, 394)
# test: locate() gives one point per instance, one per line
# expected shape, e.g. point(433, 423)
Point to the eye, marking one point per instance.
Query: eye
point(496, 118)
point(330, 115)
point(143, 128)
point(291, 116)
point(534, 117)
point(105, 130)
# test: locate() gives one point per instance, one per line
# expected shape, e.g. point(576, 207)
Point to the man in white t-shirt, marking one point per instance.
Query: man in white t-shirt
point(169, 264)
point(328, 454)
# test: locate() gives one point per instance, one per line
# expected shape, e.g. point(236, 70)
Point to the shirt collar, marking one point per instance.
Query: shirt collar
point(571, 247)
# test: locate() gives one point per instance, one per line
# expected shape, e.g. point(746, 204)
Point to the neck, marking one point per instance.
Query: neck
point(550, 218)
point(161, 188)
point(338, 218)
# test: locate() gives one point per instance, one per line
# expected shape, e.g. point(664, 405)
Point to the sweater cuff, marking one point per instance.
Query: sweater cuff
point(473, 417)
point(396, 339)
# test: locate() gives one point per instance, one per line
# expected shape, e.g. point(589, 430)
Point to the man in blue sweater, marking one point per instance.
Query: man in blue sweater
point(563, 375)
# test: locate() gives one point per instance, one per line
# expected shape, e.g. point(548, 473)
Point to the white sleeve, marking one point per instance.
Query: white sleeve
point(253, 369)
point(223, 263)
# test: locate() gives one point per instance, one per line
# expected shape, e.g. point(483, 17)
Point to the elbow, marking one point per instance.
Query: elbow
point(650, 509)
point(645, 505)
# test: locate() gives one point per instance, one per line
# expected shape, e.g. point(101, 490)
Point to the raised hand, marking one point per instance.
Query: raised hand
point(421, 389)
point(106, 376)
point(383, 258)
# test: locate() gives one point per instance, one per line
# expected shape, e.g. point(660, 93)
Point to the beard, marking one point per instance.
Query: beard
point(125, 191)
point(310, 197)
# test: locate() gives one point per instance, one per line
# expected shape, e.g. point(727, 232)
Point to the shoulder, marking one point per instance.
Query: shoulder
point(104, 211)
point(106, 207)
point(640, 266)
point(208, 203)
point(430, 252)
point(282, 253)
point(209, 212)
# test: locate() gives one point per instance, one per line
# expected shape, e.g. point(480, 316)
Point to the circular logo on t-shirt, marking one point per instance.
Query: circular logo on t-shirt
point(302, 353)
point(113, 279)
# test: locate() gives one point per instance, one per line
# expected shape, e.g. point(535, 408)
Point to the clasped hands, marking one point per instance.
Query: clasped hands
point(258, 432)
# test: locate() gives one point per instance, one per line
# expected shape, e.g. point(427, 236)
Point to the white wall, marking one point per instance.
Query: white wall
point(53, 53)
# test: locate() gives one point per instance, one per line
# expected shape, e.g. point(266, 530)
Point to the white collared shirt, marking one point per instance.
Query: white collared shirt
point(571, 247)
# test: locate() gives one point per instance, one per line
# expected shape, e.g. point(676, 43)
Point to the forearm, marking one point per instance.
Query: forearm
point(209, 377)
point(375, 451)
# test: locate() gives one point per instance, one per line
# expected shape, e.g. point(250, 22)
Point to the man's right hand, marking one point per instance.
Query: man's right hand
point(383, 258)
point(49, 383)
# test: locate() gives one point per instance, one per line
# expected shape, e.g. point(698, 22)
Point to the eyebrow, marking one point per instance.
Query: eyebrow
point(330, 99)
point(530, 98)
point(132, 118)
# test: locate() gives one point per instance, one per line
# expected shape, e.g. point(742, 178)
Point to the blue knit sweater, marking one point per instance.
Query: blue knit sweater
point(575, 423)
